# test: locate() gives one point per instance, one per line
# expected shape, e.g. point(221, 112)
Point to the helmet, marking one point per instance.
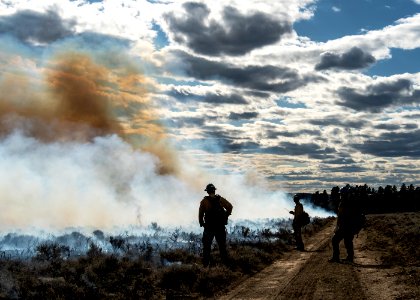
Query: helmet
point(296, 198)
point(210, 187)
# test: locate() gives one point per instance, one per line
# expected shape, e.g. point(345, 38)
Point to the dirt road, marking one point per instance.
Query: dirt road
point(309, 275)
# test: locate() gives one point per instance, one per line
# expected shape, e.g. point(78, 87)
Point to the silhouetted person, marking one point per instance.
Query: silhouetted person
point(213, 215)
point(297, 223)
point(345, 228)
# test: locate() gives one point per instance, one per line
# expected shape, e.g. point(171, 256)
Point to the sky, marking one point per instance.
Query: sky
point(294, 96)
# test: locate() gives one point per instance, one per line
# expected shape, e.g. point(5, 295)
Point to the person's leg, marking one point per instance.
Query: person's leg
point(336, 245)
point(298, 237)
point(348, 243)
point(221, 242)
point(208, 236)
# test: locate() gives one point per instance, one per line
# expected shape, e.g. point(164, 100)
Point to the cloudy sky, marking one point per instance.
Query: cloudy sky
point(306, 94)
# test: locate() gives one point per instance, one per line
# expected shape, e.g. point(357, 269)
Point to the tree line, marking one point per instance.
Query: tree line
point(386, 199)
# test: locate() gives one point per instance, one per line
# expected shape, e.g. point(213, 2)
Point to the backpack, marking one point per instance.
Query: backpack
point(359, 223)
point(216, 215)
point(305, 219)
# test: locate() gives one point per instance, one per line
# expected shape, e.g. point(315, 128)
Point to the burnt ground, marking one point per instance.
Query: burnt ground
point(387, 266)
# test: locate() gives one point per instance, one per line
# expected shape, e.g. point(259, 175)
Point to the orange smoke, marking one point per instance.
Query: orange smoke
point(77, 99)
point(79, 87)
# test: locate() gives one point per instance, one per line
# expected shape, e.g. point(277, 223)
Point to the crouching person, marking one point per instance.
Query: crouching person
point(213, 215)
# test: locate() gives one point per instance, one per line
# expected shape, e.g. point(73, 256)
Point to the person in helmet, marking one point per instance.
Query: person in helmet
point(347, 215)
point(213, 215)
point(297, 225)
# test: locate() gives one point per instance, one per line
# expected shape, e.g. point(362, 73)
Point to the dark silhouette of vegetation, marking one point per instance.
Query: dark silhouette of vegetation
point(128, 269)
point(382, 200)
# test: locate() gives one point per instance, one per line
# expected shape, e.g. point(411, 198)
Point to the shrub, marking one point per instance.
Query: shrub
point(179, 255)
point(51, 251)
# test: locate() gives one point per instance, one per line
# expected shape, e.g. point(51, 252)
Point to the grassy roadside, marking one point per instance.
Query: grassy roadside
point(396, 238)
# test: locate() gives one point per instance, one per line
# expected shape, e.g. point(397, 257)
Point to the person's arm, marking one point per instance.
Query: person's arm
point(201, 214)
point(226, 205)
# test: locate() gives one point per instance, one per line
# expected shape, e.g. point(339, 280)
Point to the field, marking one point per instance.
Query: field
point(158, 264)
point(167, 264)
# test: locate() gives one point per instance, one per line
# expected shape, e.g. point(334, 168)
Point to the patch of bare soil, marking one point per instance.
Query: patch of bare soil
point(384, 268)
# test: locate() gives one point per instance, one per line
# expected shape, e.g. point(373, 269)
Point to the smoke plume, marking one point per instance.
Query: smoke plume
point(81, 145)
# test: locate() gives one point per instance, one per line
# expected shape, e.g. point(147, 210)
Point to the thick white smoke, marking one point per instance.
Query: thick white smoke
point(106, 183)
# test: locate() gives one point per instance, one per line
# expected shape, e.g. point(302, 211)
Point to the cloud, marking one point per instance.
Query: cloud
point(184, 121)
point(338, 121)
point(393, 127)
point(340, 161)
point(242, 116)
point(312, 150)
point(234, 34)
point(353, 59)
point(220, 99)
point(392, 144)
point(349, 169)
point(378, 96)
point(266, 78)
point(213, 98)
point(34, 27)
point(273, 134)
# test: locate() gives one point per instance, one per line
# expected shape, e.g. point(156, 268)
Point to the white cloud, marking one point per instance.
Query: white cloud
point(336, 9)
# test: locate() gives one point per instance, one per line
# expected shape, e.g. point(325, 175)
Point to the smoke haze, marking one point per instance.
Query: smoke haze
point(82, 145)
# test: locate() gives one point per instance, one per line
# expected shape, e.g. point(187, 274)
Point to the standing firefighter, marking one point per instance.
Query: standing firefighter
point(298, 222)
point(350, 221)
point(213, 215)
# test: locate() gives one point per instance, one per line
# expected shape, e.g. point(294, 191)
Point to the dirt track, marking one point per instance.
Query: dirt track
point(309, 275)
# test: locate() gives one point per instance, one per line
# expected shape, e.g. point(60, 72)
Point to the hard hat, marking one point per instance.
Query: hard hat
point(210, 187)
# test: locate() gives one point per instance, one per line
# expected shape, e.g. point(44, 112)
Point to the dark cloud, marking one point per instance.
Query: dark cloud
point(259, 94)
point(34, 27)
point(237, 35)
point(337, 121)
point(413, 116)
point(261, 78)
point(349, 169)
point(339, 161)
point(392, 144)
point(376, 97)
point(354, 59)
point(394, 127)
point(218, 141)
point(312, 150)
point(224, 99)
point(407, 170)
point(242, 116)
point(212, 98)
point(273, 134)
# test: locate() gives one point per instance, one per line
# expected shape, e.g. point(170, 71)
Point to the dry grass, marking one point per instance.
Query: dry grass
point(141, 272)
point(397, 238)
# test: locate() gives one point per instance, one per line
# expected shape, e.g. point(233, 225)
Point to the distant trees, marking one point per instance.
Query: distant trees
point(382, 200)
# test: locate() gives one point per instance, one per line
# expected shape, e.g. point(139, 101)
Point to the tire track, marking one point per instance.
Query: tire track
point(273, 281)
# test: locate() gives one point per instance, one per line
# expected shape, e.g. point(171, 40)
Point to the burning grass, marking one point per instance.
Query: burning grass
point(126, 267)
